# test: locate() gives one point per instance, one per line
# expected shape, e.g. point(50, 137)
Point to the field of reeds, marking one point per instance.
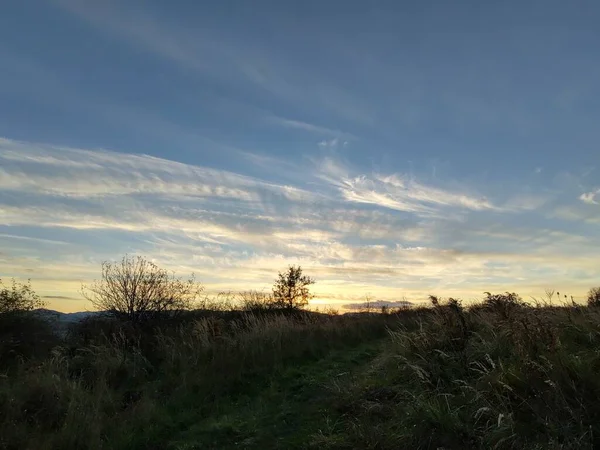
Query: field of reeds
point(499, 374)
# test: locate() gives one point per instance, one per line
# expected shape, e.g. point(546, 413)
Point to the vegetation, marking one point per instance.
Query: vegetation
point(138, 290)
point(18, 297)
point(594, 297)
point(21, 332)
point(291, 290)
point(499, 374)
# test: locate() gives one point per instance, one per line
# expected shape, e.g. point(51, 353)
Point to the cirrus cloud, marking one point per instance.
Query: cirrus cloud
point(356, 232)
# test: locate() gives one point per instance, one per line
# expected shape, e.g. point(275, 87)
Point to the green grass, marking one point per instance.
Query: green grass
point(498, 375)
point(283, 412)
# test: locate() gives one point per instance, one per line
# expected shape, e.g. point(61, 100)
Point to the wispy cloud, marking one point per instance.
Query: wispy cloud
point(355, 231)
point(223, 56)
point(309, 127)
point(144, 30)
point(332, 143)
point(59, 297)
point(590, 197)
point(31, 239)
point(398, 192)
point(84, 173)
point(527, 201)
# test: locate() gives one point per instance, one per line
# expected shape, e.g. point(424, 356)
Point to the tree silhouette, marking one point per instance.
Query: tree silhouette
point(594, 297)
point(18, 298)
point(137, 290)
point(291, 289)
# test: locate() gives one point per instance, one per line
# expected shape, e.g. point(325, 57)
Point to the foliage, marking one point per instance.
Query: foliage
point(499, 374)
point(23, 333)
point(503, 304)
point(19, 297)
point(593, 297)
point(256, 301)
point(522, 381)
point(291, 289)
point(138, 290)
point(105, 392)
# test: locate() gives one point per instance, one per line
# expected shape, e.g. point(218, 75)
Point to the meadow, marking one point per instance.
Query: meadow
point(498, 374)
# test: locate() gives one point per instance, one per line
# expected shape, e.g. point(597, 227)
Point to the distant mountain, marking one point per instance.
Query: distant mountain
point(65, 317)
point(378, 304)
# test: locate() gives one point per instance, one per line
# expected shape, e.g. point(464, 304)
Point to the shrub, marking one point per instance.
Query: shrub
point(23, 333)
point(593, 298)
point(256, 301)
point(503, 304)
point(26, 336)
point(19, 297)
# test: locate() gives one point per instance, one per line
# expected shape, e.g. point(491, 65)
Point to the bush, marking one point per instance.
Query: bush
point(25, 336)
point(23, 333)
point(19, 297)
point(503, 304)
point(593, 298)
point(256, 301)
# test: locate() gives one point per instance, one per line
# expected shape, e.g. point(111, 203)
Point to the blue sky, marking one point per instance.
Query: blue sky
point(395, 149)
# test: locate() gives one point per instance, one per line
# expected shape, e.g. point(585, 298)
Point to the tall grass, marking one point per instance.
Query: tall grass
point(498, 375)
point(501, 374)
point(123, 387)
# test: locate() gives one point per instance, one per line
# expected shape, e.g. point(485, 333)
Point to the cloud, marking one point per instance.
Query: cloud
point(527, 201)
point(139, 27)
point(220, 54)
point(309, 127)
point(584, 212)
point(31, 239)
point(398, 192)
point(354, 231)
point(329, 144)
point(102, 190)
point(590, 197)
point(70, 172)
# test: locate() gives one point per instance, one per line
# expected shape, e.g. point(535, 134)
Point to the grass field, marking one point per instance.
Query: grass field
point(501, 374)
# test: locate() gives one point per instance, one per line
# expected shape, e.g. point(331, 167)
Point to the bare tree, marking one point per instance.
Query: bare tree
point(368, 304)
point(138, 290)
point(291, 289)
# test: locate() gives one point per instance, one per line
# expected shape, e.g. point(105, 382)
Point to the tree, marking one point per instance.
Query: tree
point(291, 289)
point(594, 297)
point(138, 290)
point(368, 304)
point(19, 297)
point(22, 334)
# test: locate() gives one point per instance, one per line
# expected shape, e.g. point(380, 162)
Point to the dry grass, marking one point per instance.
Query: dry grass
point(120, 388)
point(502, 374)
point(498, 375)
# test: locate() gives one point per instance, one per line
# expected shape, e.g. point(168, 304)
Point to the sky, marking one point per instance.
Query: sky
point(392, 149)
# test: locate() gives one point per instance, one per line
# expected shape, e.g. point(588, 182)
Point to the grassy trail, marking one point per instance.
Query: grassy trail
point(293, 407)
point(502, 375)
